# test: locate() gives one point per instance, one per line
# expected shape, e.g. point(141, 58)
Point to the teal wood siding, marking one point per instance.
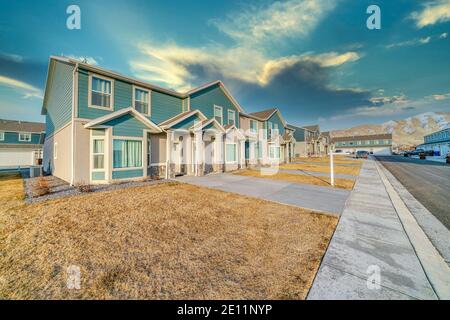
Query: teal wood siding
point(13, 138)
point(123, 95)
point(276, 119)
point(299, 134)
point(128, 174)
point(187, 123)
point(98, 175)
point(164, 106)
point(59, 97)
point(205, 100)
point(127, 125)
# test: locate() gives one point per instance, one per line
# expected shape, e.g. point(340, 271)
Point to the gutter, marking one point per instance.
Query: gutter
point(74, 101)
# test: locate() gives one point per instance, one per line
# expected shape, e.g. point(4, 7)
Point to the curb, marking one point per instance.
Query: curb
point(433, 264)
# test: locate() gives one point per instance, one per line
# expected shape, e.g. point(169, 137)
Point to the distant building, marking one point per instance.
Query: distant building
point(438, 141)
point(379, 144)
point(309, 141)
point(21, 143)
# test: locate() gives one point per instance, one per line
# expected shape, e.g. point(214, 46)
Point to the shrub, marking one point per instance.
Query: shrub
point(41, 187)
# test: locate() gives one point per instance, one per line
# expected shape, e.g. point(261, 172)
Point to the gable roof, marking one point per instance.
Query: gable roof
point(264, 115)
point(21, 126)
point(313, 128)
point(99, 121)
point(141, 83)
point(221, 86)
point(180, 117)
point(205, 123)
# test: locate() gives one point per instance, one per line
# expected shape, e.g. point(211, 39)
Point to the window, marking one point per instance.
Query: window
point(231, 152)
point(253, 126)
point(98, 154)
point(274, 152)
point(259, 150)
point(25, 137)
point(101, 92)
point(275, 129)
point(270, 127)
point(231, 117)
point(127, 154)
point(55, 151)
point(142, 101)
point(2, 136)
point(218, 114)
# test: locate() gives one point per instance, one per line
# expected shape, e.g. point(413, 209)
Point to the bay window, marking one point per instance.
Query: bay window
point(127, 154)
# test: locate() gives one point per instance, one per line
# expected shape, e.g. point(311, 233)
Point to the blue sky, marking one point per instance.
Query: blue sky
point(313, 59)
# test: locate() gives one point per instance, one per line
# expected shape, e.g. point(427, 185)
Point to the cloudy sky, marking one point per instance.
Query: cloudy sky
point(313, 59)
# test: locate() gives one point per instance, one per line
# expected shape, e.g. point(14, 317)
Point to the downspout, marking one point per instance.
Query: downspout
point(74, 92)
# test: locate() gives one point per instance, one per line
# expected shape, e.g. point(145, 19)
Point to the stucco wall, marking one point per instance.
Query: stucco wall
point(60, 167)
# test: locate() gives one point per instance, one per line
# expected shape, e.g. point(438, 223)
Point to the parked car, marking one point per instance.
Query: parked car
point(417, 152)
point(362, 154)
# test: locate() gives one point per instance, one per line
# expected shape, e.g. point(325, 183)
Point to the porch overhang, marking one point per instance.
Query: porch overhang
point(204, 125)
point(170, 123)
point(99, 122)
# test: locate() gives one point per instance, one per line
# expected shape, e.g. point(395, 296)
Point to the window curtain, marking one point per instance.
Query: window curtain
point(127, 154)
point(101, 85)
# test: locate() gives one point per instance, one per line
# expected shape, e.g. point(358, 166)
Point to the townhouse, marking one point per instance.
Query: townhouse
point(310, 141)
point(103, 126)
point(21, 143)
point(379, 144)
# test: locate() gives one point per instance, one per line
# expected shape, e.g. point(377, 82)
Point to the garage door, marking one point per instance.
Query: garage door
point(16, 157)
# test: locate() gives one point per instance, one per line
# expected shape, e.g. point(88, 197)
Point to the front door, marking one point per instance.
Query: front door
point(178, 157)
point(209, 156)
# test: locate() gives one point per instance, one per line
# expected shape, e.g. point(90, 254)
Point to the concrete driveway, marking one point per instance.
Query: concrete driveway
point(300, 195)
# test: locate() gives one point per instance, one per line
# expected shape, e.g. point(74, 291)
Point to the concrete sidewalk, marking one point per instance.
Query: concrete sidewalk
point(330, 200)
point(371, 236)
point(319, 174)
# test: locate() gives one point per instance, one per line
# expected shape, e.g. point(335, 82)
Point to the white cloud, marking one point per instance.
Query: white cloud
point(401, 99)
point(278, 21)
point(439, 97)
point(432, 13)
point(443, 35)
point(12, 57)
point(170, 64)
point(28, 90)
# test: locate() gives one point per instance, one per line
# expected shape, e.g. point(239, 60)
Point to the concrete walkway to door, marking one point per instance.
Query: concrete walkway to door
point(301, 195)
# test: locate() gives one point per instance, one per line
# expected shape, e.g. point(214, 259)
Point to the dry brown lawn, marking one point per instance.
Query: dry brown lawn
point(336, 160)
point(299, 178)
point(321, 168)
point(166, 241)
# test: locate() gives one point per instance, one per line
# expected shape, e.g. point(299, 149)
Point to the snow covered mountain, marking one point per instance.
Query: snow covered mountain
point(405, 133)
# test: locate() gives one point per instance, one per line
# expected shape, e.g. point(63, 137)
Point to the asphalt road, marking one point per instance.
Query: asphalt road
point(427, 181)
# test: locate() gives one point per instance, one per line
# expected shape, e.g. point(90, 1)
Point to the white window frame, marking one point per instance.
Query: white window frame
point(27, 134)
point(95, 154)
point(221, 113)
point(274, 146)
point(111, 100)
point(235, 152)
point(149, 99)
point(2, 136)
point(55, 150)
point(234, 116)
point(256, 129)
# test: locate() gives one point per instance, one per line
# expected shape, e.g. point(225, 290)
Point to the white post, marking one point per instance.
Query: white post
point(331, 168)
